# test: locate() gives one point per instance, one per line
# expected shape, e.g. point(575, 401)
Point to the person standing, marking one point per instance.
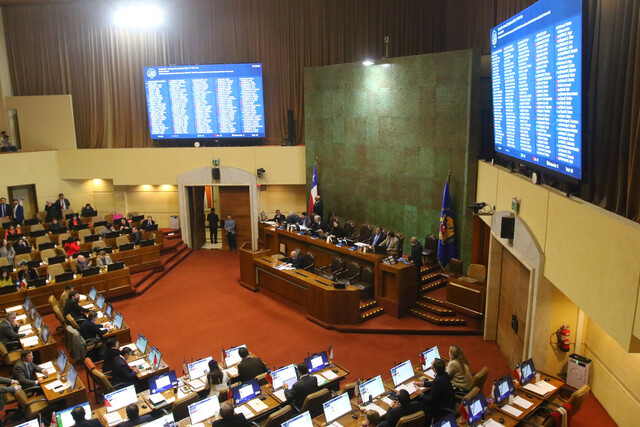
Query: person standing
point(62, 204)
point(230, 228)
point(213, 225)
point(416, 254)
point(5, 210)
point(18, 212)
point(318, 207)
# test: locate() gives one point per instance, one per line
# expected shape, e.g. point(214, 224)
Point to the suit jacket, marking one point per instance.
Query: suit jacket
point(392, 244)
point(306, 221)
point(250, 367)
point(236, 420)
point(394, 414)
point(416, 254)
point(80, 266)
point(19, 214)
point(306, 385)
point(318, 207)
point(4, 390)
point(230, 226)
point(20, 373)
point(74, 309)
point(62, 204)
point(31, 274)
point(441, 394)
point(52, 212)
point(381, 239)
point(8, 332)
point(94, 422)
point(140, 420)
point(90, 330)
point(137, 237)
point(122, 372)
point(213, 219)
point(5, 210)
point(295, 263)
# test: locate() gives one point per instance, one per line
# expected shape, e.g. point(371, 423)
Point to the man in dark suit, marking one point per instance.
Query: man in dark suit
point(73, 308)
point(279, 217)
point(121, 371)
point(306, 385)
point(18, 212)
point(136, 236)
point(319, 227)
point(51, 211)
point(5, 209)
point(404, 406)
point(133, 413)
point(318, 207)
point(440, 395)
point(9, 329)
point(305, 220)
point(229, 419)
point(82, 264)
point(293, 218)
point(89, 330)
point(25, 370)
point(55, 225)
point(62, 204)
point(147, 223)
point(377, 238)
point(79, 417)
point(249, 367)
point(213, 219)
point(295, 259)
point(416, 253)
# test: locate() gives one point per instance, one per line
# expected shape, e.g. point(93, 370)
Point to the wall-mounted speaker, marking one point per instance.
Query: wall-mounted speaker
point(508, 224)
point(215, 174)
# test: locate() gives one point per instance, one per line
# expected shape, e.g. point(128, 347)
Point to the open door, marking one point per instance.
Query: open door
point(196, 216)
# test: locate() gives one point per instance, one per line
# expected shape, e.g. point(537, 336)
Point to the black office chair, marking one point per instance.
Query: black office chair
point(329, 271)
point(364, 235)
point(350, 275)
point(308, 262)
point(348, 228)
point(365, 284)
point(430, 249)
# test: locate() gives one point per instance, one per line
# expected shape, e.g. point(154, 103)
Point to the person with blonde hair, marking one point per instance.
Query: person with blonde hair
point(458, 369)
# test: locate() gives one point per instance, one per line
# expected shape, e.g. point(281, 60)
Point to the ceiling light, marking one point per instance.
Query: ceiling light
point(138, 15)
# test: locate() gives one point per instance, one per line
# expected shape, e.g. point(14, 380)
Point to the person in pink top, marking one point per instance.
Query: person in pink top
point(117, 215)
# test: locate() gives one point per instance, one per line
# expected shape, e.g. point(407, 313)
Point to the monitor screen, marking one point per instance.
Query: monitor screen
point(317, 362)
point(205, 409)
point(108, 310)
point(503, 388)
point(448, 421)
point(371, 389)
point(33, 312)
point(92, 293)
point(285, 375)
point(536, 73)
point(45, 334)
point(141, 343)
point(245, 391)
point(199, 368)
point(66, 420)
point(100, 301)
point(231, 356)
point(302, 420)
point(402, 372)
point(155, 357)
point(205, 101)
point(72, 375)
point(477, 407)
point(120, 398)
point(32, 423)
point(27, 303)
point(117, 321)
point(38, 322)
point(163, 382)
point(527, 371)
point(62, 361)
point(165, 421)
point(336, 407)
point(429, 356)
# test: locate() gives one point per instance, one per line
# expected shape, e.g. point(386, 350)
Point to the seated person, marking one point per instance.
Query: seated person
point(440, 394)
point(7, 251)
point(107, 229)
point(305, 220)
point(82, 264)
point(103, 259)
point(229, 418)
point(336, 230)
point(292, 218)
point(5, 278)
point(12, 230)
point(65, 295)
point(392, 244)
point(217, 380)
point(279, 217)
point(249, 367)
point(25, 370)
point(111, 352)
point(319, 227)
point(133, 414)
point(294, 259)
point(459, 370)
point(372, 418)
point(23, 243)
point(25, 272)
point(55, 225)
point(80, 418)
point(403, 406)
point(116, 216)
point(121, 224)
point(305, 385)
point(88, 211)
point(74, 222)
point(147, 223)
point(9, 329)
point(73, 307)
point(377, 238)
point(136, 236)
point(121, 372)
point(72, 246)
point(91, 331)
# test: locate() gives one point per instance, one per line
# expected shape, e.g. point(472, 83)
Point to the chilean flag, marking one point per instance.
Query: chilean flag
point(314, 190)
point(269, 377)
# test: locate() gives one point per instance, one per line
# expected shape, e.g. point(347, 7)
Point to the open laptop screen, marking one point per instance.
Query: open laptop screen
point(199, 368)
point(371, 389)
point(401, 373)
point(317, 362)
point(141, 343)
point(66, 420)
point(503, 388)
point(231, 356)
point(285, 375)
point(207, 408)
point(120, 398)
point(528, 370)
point(163, 382)
point(429, 356)
point(302, 420)
point(336, 407)
point(246, 391)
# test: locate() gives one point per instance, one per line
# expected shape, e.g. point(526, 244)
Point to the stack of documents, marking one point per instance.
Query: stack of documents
point(30, 341)
point(242, 409)
point(257, 405)
point(113, 418)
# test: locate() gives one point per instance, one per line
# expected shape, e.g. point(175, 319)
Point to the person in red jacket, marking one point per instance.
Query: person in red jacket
point(72, 246)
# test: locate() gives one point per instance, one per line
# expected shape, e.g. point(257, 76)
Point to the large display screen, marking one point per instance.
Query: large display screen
point(536, 71)
point(205, 101)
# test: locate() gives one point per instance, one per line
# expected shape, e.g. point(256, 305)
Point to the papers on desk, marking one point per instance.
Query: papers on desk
point(83, 297)
point(280, 395)
point(196, 384)
point(546, 386)
point(511, 410)
point(140, 364)
point(541, 387)
point(57, 385)
point(321, 379)
point(374, 407)
point(99, 315)
point(242, 409)
point(24, 328)
point(491, 423)
point(429, 373)
point(334, 424)
point(232, 371)
point(409, 387)
point(112, 418)
point(48, 366)
point(14, 308)
point(30, 341)
point(285, 267)
point(156, 399)
point(257, 405)
point(329, 375)
point(21, 317)
point(109, 326)
point(387, 401)
point(88, 306)
point(523, 403)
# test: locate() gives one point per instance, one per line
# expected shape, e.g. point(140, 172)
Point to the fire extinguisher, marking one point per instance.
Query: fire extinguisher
point(562, 334)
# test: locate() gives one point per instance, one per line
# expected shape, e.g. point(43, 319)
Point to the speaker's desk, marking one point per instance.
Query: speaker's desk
point(395, 286)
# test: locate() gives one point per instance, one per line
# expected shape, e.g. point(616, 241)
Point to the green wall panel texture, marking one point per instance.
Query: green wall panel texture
point(387, 135)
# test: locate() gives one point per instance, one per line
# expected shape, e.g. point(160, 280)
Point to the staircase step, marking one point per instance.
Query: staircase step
point(431, 277)
point(444, 312)
point(433, 301)
point(432, 286)
point(371, 313)
point(437, 320)
point(368, 305)
point(138, 278)
point(169, 261)
point(428, 269)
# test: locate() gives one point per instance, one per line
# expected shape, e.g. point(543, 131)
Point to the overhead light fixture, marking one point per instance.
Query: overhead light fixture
point(138, 15)
point(384, 60)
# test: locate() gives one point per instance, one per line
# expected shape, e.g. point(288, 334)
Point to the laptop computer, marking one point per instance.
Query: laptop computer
point(336, 407)
point(153, 227)
point(69, 215)
point(137, 218)
point(163, 382)
point(203, 410)
point(100, 223)
point(141, 343)
point(477, 406)
point(31, 221)
point(502, 389)
point(155, 357)
point(112, 235)
point(125, 247)
point(120, 398)
point(107, 249)
point(5, 290)
point(231, 356)
point(302, 420)
point(37, 283)
point(64, 277)
point(93, 293)
point(81, 226)
point(245, 391)
point(528, 371)
point(37, 233)
point(61, 361)
point(448, 421)
point(115, 266)
point(13, 237)
point(429, 356)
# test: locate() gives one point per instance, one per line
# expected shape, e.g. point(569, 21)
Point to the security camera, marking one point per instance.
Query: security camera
point(477, 208)
point(260, 172)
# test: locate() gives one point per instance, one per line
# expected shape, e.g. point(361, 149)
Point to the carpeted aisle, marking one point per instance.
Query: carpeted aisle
point(199, 307)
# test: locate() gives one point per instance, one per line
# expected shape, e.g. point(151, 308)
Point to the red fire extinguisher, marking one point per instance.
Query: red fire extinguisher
point(563, 334)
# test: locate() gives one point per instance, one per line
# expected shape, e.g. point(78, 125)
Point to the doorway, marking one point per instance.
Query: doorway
point(26, 194)
point(196, 215)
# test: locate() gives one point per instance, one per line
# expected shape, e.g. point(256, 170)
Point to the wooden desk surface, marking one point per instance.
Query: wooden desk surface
point(144, 409)
point(70, 396)
point(346, 420)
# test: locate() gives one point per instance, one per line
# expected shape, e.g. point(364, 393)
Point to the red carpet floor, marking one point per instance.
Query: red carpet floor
point(199, 308)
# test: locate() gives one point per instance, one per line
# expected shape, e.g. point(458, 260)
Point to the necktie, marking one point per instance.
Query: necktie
point(28, 369)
